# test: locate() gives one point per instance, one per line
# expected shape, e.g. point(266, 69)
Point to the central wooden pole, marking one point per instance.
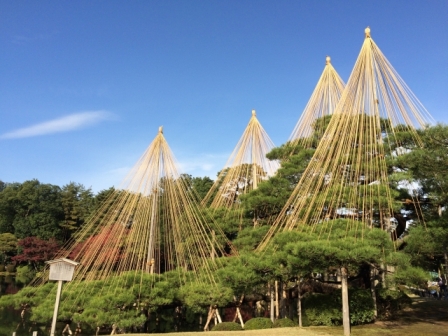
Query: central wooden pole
point(56, 308)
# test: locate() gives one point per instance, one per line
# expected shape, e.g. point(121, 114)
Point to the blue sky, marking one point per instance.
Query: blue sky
point(84, 85)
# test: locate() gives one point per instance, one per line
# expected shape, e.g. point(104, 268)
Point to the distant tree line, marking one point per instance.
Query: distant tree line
point(37, 218)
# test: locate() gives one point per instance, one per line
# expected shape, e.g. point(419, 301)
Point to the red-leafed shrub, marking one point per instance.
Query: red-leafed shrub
point(104, 247)
point(35, 251)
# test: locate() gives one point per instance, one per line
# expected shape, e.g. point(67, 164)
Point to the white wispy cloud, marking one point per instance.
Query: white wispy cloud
point(64, 124)
point(203, 164)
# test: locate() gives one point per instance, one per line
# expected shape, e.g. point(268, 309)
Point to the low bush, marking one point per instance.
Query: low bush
point(326, 309)
point(391, 301)
point(2, 268)
point(10, 268)
point(227, 326)
point(284, 323)
point(322, 309)
point(25, 274)
point(258, 323)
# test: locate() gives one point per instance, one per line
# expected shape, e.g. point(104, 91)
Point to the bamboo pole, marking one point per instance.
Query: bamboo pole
point(345, 304)
point(271, 294)
point(277, 313)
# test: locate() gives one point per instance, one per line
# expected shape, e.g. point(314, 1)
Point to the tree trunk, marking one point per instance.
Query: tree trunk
point(372, 290)
point(276, 301)
point(299, 303)
point(114, 329)
point(271, 294)
point(445, 254)
point(383, 275)
point(283, 301)
point(345, 306)
point(290, 307)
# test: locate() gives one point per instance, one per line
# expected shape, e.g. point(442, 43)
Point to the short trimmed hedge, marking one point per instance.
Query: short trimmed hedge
point(227, 326)
point(326, 309)
point(284, 323)
point(258, 323)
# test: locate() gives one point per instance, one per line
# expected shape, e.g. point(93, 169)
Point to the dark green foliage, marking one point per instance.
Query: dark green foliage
point(391, 301)
point(284, 323)
point(361, 307)
point(198, 296)
point(77, 203)
point(258, 323)
point(227, 326)
point(326, 309)
point(429, 164)
point(34, 209)
point(323, 309)
point(25, 274)
point(8, 245)
point(249, 238)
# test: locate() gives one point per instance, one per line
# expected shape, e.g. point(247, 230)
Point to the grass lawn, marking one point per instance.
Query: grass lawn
point(426, 317)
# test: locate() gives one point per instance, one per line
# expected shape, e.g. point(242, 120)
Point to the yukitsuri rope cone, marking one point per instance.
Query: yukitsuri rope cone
point(347, 176)
point(152, 224)
point(245, 169)
point(322, 103)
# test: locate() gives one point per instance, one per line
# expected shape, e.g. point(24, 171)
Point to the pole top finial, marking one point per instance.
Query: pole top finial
point(327, 60)
point(254, 113)
point(161, 130)
point(367, 32)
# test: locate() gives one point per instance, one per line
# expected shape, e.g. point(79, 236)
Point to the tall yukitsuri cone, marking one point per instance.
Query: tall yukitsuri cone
point(245, 169)
point(153, 223)
point(348, 175)
point(322, 103)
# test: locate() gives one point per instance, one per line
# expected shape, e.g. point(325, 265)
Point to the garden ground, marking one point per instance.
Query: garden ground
point(426, 317)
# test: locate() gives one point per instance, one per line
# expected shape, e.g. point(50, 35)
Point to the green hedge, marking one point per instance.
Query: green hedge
point(227, 326)
point(326, 309)
point(258, 323)
point(284, 323)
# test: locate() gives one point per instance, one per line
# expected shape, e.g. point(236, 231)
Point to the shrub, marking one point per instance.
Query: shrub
point(391, 301)
point(258, 323)
point(10, 268)
point(361, 307)
point(323, 309)
point(326, 309)
point(25, 274)
point(2, 268)
point(227, 326)
point(284, 323)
